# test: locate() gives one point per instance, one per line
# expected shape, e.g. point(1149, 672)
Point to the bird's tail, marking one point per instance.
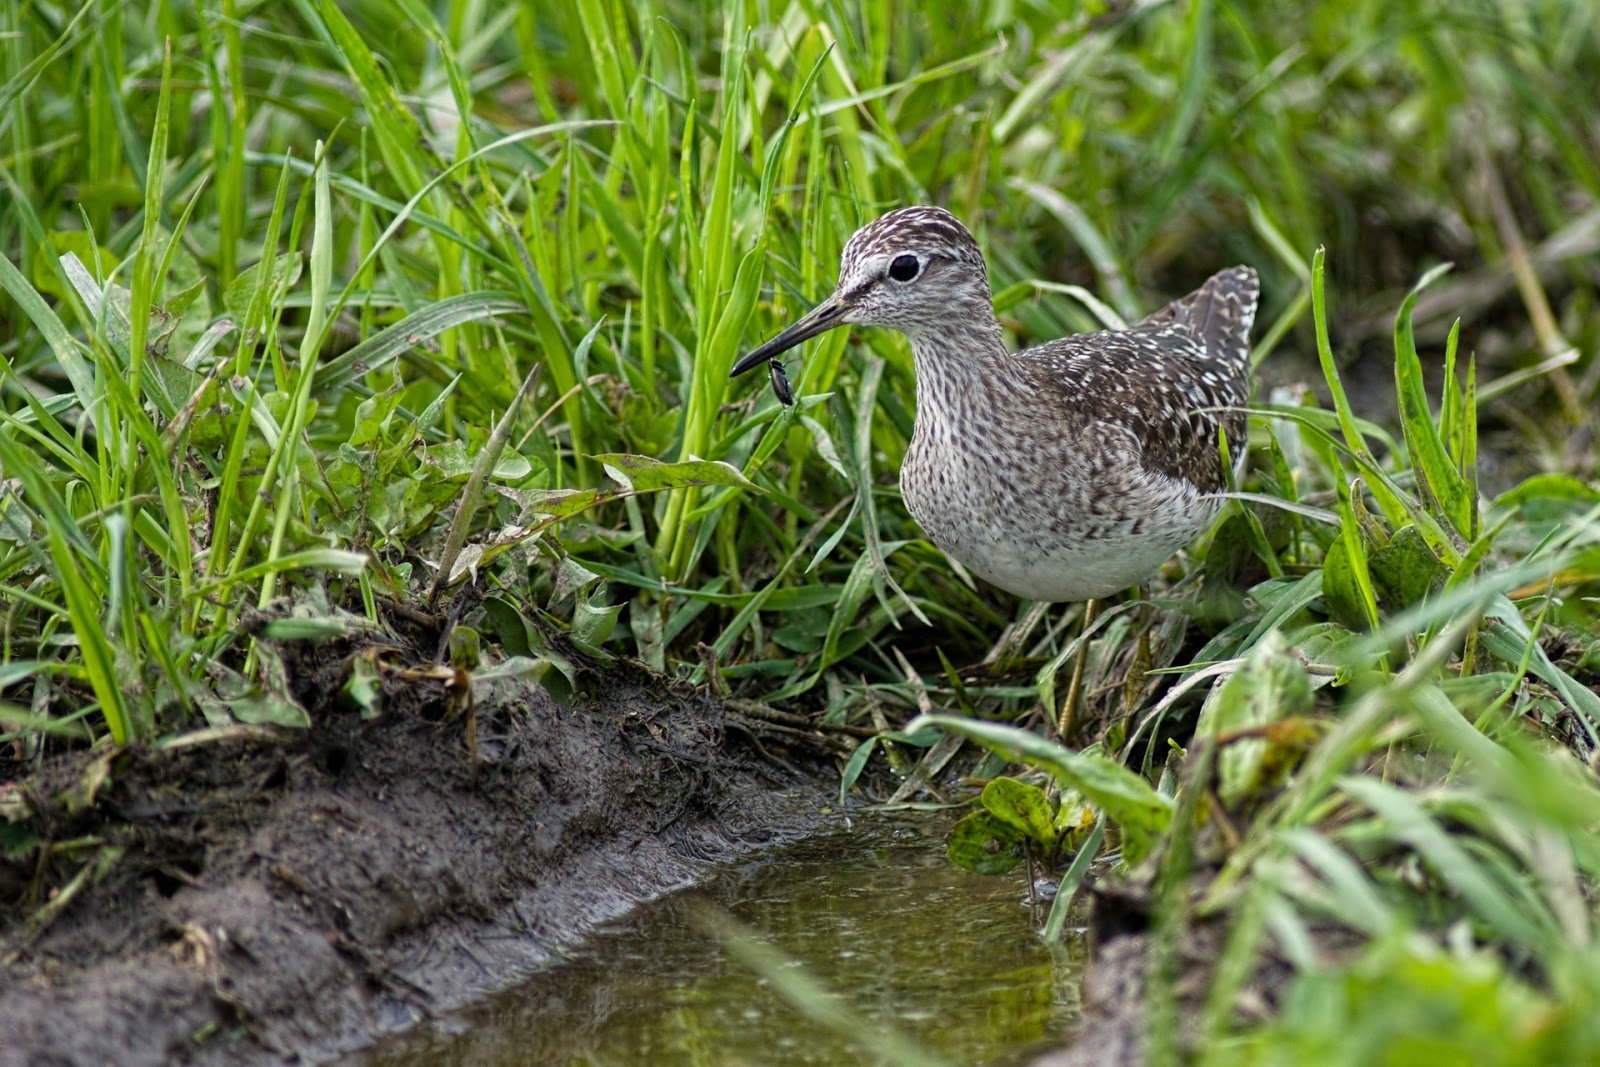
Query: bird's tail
point(1221, 311)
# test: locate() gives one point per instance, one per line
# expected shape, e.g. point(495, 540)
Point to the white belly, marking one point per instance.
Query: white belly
point(1075, 544)
point(1088, 571)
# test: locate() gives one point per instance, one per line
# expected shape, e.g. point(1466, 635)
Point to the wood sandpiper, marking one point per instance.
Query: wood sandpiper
point(1071, 470)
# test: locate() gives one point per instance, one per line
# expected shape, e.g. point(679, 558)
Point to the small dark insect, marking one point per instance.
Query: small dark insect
point(780, 383)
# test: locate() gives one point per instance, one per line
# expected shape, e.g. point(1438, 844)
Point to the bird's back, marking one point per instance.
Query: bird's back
point(1221, 311)
point(1171, 379)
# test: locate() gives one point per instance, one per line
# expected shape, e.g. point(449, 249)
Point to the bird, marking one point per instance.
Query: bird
point(1066, 471)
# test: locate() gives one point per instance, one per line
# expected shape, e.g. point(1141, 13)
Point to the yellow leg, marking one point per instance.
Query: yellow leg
point(1067, 724)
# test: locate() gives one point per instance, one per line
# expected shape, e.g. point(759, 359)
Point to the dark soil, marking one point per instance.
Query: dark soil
point(271, 897)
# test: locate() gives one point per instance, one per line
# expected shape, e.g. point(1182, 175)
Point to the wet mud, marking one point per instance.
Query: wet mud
point(283, 896)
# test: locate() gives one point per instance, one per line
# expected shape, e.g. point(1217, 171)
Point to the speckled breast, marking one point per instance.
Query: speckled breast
point(1053, 520)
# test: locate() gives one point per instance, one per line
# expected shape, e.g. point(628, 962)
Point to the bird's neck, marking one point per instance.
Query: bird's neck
point(957, 364)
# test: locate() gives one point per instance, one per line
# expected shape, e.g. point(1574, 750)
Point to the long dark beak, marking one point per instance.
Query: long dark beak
point(820, 319)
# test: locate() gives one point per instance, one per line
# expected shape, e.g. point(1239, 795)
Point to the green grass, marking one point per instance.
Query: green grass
point(271, 276)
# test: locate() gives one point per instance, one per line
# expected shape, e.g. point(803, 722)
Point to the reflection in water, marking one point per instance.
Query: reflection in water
point(948, 958)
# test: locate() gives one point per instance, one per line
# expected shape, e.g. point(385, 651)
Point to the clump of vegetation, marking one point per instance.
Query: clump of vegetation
point(268, 296)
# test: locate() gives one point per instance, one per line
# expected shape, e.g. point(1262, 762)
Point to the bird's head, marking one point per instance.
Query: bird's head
point(914, 269)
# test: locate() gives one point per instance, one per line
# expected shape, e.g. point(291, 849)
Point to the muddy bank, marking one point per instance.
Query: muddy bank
point(263, 900)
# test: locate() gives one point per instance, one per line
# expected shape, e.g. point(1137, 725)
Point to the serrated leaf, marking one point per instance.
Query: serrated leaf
point(474, 556)
point(571, 579)
point(170, 384)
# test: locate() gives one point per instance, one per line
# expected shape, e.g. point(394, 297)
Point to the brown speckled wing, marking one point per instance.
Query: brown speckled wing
point(1166, 379)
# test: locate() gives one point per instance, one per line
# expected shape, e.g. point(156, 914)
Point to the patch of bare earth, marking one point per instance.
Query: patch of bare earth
point(284, 899)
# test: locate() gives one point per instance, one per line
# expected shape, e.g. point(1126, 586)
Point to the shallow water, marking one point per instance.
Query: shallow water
point(949, 959)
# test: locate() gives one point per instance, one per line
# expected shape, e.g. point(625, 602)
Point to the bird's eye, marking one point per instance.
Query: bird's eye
point(904, 268)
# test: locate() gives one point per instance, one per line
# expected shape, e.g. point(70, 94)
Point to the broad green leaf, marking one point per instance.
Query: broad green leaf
point(571, 579)
point(1406, 569)
point(556, 503)
point(1141, 813)
point(492, 546)
point(592, 624)
point(1021, 806)
point(1340, 590)
point(509, 625)
point(984, 843)
point(17, 841)
point(92, 257)
point(537, 669)
point(644, 474)
point(269, 708)
point(451, 459)
point(170, 384)
point(1271, 686)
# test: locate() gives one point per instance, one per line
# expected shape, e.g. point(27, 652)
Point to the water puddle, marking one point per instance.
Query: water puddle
point(878, 916)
